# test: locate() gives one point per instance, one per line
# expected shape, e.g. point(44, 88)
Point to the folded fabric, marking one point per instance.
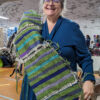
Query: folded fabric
point(49, 75)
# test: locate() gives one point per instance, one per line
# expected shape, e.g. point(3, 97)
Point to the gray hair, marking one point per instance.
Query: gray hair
point(63, 5)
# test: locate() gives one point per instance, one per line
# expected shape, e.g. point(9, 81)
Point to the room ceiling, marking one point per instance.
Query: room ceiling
point(13, 9)
point(83, 8)
point(4, 1)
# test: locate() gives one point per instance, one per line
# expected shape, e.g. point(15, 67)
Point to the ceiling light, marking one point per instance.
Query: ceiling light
point(2, 17)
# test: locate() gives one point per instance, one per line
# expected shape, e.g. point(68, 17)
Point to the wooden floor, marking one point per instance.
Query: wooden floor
point(8, 85)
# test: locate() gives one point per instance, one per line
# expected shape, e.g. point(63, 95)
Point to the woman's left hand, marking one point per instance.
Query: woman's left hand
point(88, 90)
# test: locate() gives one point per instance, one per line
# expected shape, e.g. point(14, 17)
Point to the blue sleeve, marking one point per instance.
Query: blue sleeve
point(83, 55)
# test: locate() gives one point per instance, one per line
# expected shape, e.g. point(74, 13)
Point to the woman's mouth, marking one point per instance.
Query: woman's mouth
point(50, 8)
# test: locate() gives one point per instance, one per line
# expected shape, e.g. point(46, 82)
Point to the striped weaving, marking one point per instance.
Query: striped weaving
point(49, 75)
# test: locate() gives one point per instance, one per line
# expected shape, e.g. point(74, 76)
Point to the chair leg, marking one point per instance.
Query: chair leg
point(12, 72)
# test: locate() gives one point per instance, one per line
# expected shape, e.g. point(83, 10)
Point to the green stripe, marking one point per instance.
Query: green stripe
point(24, 24)
point(27, 41)
point(27, 22)
point(42, 51)
point(23, 32)
point(53, 80)
point(74, 96)
point(27, 18)
point(68, 90)
point(44, 59)
point(49, 72)
point(43, 69)
point(26, 38)
point(35, 15)
point(27, 45)
point(57, 87)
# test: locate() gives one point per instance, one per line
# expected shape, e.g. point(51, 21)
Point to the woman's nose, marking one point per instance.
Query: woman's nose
point(51, 2)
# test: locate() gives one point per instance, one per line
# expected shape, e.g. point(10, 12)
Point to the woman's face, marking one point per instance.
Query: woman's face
point(52, 8)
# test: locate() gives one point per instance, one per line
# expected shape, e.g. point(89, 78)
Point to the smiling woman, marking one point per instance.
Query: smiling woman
point(56, 2)
point(72, 47)
point(52, 8)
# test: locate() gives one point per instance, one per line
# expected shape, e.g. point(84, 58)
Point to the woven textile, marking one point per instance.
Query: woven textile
point(49, 75)
point(6, 53)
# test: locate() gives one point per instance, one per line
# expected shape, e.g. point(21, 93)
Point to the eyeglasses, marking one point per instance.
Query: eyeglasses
point(55, 1)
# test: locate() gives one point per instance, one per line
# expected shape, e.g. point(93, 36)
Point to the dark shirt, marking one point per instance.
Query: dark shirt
point(88, 42)
point(72, 44)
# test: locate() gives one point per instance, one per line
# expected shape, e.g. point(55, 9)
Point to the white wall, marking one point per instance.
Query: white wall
point(89, 26)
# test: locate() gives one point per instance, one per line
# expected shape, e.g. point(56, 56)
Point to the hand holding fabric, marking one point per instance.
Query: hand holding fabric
point(88, 90)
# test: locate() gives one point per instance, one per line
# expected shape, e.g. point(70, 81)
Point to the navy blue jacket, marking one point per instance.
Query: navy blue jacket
point(72, 45)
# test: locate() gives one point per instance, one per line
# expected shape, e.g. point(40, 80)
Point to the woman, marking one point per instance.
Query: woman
point(88, 41)
point(72, 46)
